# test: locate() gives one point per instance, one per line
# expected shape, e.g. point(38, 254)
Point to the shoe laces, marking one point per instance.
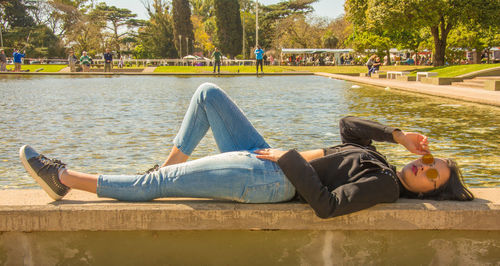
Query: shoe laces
point(50, 163)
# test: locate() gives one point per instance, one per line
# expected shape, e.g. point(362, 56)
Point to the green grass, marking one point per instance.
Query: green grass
point(223, 69)
point(45, 68)
point(443, 71)
point(456, 70)
point(276, 69)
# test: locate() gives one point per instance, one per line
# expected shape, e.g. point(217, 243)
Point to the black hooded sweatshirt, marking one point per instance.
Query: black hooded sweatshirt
point(349, 177)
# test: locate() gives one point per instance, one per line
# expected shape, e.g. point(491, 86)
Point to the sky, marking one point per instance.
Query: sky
point(323, 8)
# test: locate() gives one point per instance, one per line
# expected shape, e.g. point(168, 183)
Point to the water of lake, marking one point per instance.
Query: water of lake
point(125, 124)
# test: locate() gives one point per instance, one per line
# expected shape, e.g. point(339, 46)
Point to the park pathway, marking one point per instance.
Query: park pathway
point(454, 92)
point(149, 70)
point(65, 70)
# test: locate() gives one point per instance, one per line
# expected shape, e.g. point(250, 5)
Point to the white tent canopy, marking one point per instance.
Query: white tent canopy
point(315, 51)
point(336, 52)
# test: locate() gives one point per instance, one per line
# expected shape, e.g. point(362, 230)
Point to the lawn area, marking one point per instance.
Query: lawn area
point(278, 69)
point(223, 69)
point(456, 70)
point(443, 71)
point(33, 68)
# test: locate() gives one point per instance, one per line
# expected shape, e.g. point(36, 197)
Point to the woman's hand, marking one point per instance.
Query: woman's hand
point(270, 154)
point(413, 142)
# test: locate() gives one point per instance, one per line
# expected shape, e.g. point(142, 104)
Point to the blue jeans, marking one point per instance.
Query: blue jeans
point(217, 64)
point(235, 174)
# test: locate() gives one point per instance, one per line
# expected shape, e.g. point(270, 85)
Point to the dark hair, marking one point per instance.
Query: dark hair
point(453, 189)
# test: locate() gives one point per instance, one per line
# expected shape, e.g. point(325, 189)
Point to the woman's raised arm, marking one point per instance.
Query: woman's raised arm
point(413, 142)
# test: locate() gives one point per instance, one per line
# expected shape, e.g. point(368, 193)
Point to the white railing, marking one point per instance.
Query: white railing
point(177, 62)
point(150, 62)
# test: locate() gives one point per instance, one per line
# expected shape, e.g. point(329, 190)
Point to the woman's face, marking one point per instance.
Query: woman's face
point(414, 175)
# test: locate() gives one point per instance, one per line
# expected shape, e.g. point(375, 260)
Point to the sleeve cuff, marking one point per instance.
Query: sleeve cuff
point(289, 159)
point(388, 132)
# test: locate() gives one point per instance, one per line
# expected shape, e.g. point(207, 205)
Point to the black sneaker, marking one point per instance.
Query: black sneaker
point(150, 170)
point(44, 171)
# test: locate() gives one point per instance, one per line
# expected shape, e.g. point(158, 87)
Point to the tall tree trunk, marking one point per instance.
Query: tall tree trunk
point(439, 52)
point(439, 48)
point(440, 42)
point(476, 58)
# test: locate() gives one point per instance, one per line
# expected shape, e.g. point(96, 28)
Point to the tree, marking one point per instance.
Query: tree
point(156, 38)
point(44, 43)
point(65, 14)
point(229, 29)
point(14, 14)
point(298, 32)
point(329, 40)
point(86, 35)
point(247, 12)
point(204, 25)
point(368, 31)
point(117, 18)
point(17, 24)
point(475, 38)
point(437, 16)
point(340, 29)
point(202, 39)
point(272, 15)
point(183, 27)
point(204, 9)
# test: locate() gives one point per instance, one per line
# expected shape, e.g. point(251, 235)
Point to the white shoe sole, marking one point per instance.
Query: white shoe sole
point(35, 176)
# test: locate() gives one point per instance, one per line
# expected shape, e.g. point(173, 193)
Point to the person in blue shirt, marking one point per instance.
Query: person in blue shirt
point(18, 60)
point(259, 54)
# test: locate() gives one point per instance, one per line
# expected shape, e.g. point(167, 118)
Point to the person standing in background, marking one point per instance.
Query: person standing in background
point(370, 63)
point(216, 55)
point(108, 60)
point(3, 61)
point(72, 61)
point(120, 63)
point(259, 55)
point(85, 61)
point(18, 60)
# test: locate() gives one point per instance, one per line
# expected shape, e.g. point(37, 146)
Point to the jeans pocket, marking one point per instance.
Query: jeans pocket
point(262, 193)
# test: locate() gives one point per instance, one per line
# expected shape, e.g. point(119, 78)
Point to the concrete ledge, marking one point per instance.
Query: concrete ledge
point(447, 91)
point(406, 78)
point(379, 75)
point(33, 210)
point(492, 85)
point(374, 75)
point(440, 81)
point(353, 74)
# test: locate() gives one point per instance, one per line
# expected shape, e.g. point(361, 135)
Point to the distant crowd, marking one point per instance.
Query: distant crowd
point(17, 59)
point(75, 64)
point(83, 64)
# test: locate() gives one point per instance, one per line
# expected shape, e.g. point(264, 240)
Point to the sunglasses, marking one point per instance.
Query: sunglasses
point(432, 173)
